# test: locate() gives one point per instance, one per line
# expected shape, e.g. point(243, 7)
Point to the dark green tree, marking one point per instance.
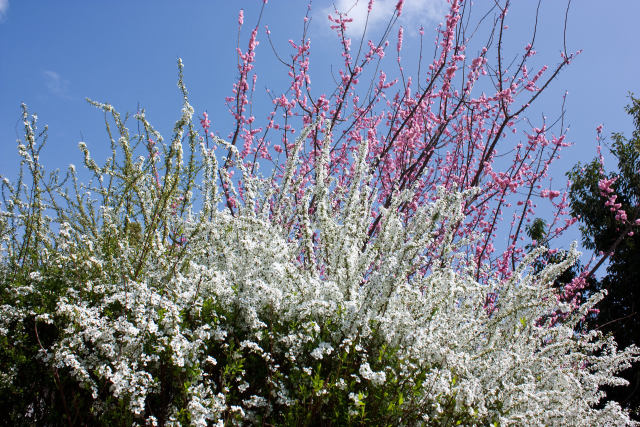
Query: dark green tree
point(607, 206)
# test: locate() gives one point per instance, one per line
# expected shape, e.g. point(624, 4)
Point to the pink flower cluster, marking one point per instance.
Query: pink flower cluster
point(604, 185)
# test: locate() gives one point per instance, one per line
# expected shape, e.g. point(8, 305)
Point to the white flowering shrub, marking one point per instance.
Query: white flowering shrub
point(135, 299)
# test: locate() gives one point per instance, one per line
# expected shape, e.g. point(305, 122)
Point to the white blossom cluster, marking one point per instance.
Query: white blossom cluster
point(251, 319)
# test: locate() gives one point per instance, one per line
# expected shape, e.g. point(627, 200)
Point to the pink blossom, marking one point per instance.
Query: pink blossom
point(205, 122)
point(551, 194)
point(604, 185)
point(399, 7)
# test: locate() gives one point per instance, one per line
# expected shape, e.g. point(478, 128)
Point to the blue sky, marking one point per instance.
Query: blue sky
point(53, 54)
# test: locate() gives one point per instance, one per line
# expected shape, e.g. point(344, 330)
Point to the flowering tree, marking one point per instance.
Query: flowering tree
point(445, 127)
point(356, 285)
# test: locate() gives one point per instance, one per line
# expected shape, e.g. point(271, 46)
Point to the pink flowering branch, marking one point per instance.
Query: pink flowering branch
point(441, 128)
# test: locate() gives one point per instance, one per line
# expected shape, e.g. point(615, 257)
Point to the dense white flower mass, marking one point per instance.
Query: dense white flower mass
point(200, 317)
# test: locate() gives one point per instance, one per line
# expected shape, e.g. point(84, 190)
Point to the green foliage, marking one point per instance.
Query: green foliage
point(619, 313)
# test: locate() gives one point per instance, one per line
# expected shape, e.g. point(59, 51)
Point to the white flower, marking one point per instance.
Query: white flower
point(378, 378)
point(36, 276)
point(322, 349)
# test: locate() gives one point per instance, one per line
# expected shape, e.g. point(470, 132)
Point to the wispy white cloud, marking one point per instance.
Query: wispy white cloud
point(56, 84)
point(4, 7)
point(414, 13)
